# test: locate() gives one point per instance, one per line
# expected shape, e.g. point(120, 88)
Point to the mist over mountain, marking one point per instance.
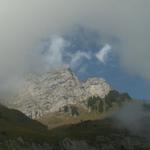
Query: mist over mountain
point(72, 114)
point(74, 75)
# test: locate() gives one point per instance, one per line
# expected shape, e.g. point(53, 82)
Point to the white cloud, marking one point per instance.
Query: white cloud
point(102, 55)
point(54, 55)
point(78, 57)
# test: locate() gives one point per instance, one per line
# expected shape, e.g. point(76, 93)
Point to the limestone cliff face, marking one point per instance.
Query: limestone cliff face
point(96, 87)
point(49, 92)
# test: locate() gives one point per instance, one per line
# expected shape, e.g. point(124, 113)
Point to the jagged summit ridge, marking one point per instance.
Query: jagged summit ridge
point(42, 94)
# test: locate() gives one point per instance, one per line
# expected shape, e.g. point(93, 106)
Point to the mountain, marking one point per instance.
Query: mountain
point(58, 98)
point(49, 92)
point(73, 115)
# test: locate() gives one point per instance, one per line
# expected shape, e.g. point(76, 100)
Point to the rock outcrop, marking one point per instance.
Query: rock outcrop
point(96, 87)
point(42, 94)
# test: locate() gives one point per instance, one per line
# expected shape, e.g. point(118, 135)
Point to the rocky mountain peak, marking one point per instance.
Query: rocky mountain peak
point(48, 92)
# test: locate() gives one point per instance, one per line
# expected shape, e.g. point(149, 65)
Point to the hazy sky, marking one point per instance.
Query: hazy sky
point(25, 23)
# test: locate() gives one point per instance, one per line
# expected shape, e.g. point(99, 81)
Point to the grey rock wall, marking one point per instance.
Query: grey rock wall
point(42, 94)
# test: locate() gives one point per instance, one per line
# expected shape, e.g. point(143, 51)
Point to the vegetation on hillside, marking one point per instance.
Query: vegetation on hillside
point(71, 109)
point(96, 108)
point(95, 104)
point(114, 98)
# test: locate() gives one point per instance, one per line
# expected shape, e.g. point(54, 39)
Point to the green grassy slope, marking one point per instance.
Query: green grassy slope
point(14, 123)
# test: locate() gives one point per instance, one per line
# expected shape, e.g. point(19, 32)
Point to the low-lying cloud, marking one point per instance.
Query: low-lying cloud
point(24, 23)
point(54, 56)
point(135, 118)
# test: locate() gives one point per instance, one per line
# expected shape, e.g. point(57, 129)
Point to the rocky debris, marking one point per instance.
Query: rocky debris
point(68, 144)
point(20, 144)
point(48, 92)
point(101, 143)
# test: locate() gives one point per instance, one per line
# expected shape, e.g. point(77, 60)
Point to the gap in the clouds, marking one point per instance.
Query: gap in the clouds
point(79, 51)
point(88, 40)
